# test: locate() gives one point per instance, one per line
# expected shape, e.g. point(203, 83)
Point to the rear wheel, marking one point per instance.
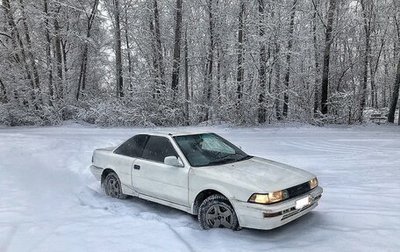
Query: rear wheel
point(216, 212)
point(112, 186)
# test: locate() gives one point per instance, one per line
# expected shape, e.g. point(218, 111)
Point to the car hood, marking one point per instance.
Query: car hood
point(258, 174)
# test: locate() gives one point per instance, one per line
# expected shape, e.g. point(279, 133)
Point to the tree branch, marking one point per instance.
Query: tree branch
point(5, 34)
point(319, 15)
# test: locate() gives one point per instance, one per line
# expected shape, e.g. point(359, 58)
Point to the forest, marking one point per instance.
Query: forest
point(175, 62)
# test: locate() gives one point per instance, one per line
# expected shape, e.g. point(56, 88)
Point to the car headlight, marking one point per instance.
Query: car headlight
point(268, 198)
point(313, 183)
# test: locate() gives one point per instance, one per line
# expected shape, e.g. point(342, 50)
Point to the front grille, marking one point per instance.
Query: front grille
point(298, 190)
point(295, 191)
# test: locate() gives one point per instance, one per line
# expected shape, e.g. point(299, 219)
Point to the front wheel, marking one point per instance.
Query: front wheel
point(216, 212)
point(112, 186)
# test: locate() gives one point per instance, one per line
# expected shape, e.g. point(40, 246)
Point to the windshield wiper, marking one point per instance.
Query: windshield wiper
point(228, 155)
point(244, 158)
point(221, 161)
point(229, 160)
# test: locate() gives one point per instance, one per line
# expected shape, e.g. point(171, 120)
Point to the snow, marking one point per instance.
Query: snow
point(49, 201)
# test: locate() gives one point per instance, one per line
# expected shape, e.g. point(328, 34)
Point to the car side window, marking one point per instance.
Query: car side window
point(133, 147)
point(157, 148)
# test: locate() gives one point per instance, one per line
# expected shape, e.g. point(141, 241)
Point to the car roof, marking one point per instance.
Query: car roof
point(172, 134)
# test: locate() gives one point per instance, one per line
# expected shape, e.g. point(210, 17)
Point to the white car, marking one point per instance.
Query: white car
point(206, 175)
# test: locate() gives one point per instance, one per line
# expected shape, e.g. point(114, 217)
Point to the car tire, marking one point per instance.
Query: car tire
point(112, 186)
point(217, 212)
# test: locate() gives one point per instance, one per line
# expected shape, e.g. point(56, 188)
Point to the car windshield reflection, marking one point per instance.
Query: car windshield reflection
point(209, 149)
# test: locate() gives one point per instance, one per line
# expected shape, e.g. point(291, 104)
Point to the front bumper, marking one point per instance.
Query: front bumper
point(266, 217)
point(96, 171)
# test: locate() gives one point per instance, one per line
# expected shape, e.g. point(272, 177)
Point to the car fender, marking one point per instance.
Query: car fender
point(211, 186)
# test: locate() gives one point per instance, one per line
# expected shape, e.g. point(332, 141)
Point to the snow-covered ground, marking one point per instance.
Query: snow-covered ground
point(49, 201)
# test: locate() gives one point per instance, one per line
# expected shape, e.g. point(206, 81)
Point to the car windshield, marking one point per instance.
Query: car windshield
point(209, 149)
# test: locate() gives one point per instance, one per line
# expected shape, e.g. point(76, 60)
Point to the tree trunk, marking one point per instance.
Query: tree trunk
point(48, 54)
point(118, 51)
point(159, 52)
point(3, 97)
point(16, 40)
point(240, 69)
point(395, 95)
point(398, 119)
point(367, 30)
point(385, 80)
point(14, 33)
point(29, 45)
point(316, 64)
point(177, 48)
point(219, 67)
point(128, 49)
point(277, 82)
point(154, 71)
point(276, 57)
point(82, 74)
point(327, 52)
point(210, 61)
point(58, 53)
point(64, 53)
point(262, 76)
point(374, 70)
point(187, 116)
point(288, 57)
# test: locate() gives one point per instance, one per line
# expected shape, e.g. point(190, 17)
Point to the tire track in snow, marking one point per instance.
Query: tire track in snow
point(8, 237)
point(121, 208)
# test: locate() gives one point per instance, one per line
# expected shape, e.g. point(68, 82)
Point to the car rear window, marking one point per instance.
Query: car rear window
point(133, 147)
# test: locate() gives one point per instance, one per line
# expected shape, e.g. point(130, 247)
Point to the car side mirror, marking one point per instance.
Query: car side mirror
point(173, 161)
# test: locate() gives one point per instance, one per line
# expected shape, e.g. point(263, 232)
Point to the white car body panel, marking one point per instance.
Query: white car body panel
point(178, 187)
point(161, 181)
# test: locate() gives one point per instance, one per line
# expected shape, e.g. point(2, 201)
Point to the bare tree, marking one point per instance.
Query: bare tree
point(3, 97)
point(396, 86)
point(159, 59)
point(128, 48)
point(18, 47)
point(236, 61)
point(186, 112)
point(177, 48)
point(240, 52)
point(288, 56)
point(327, 54)
point(29, 47)
point(84, 61)
point(316, 59)
point(277, 62)
point(48, 53)
point(366, 12)
point(58, 53)
point(118, 50)
point(210, 61)
point(263, 61)
point(395, 95)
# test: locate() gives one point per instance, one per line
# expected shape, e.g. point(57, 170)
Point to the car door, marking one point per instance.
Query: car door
point(127, 152)
point(153, 178)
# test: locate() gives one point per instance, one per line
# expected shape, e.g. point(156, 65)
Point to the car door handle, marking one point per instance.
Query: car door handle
point(136, 167)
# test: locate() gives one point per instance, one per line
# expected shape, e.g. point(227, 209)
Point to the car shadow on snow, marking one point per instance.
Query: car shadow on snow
point(147, 210)
point(299, 227)
point(135, 207)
